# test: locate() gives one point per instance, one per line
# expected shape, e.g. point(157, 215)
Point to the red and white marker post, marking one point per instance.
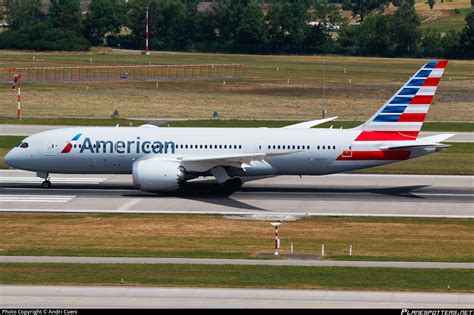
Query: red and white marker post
point(277, 240)
point(147, 52)
point(17, 80)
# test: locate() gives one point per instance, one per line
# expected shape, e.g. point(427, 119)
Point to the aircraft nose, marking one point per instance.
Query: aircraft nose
point(10, 158)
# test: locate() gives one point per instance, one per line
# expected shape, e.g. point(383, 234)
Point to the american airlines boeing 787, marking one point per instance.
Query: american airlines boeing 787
point(161, 159)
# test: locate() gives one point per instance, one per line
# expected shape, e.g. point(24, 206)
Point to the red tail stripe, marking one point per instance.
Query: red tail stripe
point(387, 136)
point(422, 99)
point(442, 64)
point(395, 155)
point(431, 82)
point(411, 117)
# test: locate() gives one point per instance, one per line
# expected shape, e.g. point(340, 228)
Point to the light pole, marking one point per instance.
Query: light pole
point(277, 240)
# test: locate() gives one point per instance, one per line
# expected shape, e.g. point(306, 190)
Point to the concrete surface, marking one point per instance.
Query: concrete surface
point(14, 296)
point(283, 197)
point(208, 261)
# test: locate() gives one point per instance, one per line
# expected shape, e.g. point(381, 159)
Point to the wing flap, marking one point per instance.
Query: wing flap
point(205, 163)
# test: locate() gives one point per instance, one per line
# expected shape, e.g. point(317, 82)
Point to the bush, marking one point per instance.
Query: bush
point(43, 38)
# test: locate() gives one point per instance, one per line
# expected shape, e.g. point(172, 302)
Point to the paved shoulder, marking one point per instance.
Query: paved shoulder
point(255, 262)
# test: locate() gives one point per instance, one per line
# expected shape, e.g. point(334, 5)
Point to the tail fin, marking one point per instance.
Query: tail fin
point(402, 116)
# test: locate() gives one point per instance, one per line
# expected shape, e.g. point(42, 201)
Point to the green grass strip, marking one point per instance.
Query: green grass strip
point(240, 276)
point(71, 121)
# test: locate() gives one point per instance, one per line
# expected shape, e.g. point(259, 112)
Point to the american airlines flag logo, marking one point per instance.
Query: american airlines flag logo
point(68, 146)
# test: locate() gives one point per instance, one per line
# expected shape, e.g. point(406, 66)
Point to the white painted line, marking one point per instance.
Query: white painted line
point(129, 204)
point(40, 196)
point(250, 213)
point(444, 195)
point(54, 180)
point(35, 198)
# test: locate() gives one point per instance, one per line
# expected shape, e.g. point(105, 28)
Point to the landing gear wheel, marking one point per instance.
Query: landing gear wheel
point(46, 184)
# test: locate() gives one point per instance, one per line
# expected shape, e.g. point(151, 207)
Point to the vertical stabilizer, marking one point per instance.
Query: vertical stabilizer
point(402, 116)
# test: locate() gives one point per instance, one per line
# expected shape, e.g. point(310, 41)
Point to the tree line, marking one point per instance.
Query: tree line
point(244, 26)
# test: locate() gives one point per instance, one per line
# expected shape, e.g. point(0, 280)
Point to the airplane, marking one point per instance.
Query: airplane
point(164, 158)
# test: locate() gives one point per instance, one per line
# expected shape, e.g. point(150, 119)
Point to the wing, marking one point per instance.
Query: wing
point(205, 163)
point(310, 124)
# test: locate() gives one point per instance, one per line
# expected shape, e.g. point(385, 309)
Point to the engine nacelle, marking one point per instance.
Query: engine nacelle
point(157, 175)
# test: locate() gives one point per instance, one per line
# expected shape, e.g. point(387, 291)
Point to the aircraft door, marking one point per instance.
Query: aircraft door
point(50, 147)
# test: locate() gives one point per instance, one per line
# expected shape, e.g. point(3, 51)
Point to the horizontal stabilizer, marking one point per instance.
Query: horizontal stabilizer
point(310, 124)
point(422, 143)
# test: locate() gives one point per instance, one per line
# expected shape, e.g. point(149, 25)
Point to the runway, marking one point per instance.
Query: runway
point(246, 262)
point(26, 130)
point(338, 195)
point(13, 296)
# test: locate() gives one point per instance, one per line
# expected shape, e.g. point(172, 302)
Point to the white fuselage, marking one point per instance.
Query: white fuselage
point(113, 150)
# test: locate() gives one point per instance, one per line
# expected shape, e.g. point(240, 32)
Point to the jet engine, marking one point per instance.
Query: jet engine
point(157, 175)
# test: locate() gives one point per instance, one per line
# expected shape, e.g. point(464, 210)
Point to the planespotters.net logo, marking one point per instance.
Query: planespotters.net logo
point(68, 146)
point(437, 312)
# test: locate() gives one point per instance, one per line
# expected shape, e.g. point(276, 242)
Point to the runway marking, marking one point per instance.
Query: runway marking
point(36, 198)
point(54, 180)
point(243, 213)
point(443, 195)
point(129, 204)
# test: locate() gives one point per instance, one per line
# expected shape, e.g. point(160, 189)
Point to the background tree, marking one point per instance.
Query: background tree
point(431, 3)
point(227, 14)
point(431, 43)
point(467, 34)
point(20, 13)
point(373, 36)
point(251, 27)
point(66, 15)
point(286, 23)
point(105, 16)
point(405, 29)
point(364, 7)
point(166, 19)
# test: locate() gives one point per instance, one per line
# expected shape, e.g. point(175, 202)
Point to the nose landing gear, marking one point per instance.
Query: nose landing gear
point(46, 183)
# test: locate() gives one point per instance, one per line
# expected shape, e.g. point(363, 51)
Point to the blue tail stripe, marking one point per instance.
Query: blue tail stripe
point(401, 100)
point(386, 118)
point(408, 91)
point(431, 64)
point(423, 73)
point(416, 82)
point(394, 109)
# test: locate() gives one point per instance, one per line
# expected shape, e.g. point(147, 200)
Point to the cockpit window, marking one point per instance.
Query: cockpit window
point(18, 144)
point(24, 145)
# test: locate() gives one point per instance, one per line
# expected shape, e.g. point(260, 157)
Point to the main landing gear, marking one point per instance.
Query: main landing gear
point(46, 183)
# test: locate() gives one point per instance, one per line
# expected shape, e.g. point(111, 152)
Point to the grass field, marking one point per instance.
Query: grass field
point(457, 159)
point(252, 123)
point(399, 239)
point(216, 123)
point(72, 121)
point(443, 16)
point(240, 276)
point(273, 87)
